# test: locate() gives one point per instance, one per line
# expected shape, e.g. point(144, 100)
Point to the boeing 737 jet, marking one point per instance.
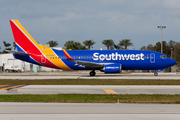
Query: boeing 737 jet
point(107, 61)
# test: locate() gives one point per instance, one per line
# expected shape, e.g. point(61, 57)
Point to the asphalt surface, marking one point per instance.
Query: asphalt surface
point(94, 89)
point(88, 111)
point(89, 77)
point(85, 75)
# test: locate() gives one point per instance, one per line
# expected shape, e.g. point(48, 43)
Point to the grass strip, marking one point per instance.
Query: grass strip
point(92, 98)
point(90, 82)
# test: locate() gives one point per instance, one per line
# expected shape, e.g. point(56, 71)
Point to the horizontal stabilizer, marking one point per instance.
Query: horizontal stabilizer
point(17, 53)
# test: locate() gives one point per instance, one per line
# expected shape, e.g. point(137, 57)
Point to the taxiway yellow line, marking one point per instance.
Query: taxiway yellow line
point(11, 87)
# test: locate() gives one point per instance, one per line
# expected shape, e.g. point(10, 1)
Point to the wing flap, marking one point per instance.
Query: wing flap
point(89, 64)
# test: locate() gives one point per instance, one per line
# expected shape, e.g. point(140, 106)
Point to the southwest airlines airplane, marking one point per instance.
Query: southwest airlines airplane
point(107, 61)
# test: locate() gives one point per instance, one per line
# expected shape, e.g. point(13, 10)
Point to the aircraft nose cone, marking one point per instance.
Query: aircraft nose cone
point(173, 62)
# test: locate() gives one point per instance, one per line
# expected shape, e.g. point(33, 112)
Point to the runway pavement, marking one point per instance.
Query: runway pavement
point(88, 111)
point(92, 89)
point(89, 77)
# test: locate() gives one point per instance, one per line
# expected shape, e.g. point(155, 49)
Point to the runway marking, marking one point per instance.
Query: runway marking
point(2, 86)
point(6, 87)
point(110, 91)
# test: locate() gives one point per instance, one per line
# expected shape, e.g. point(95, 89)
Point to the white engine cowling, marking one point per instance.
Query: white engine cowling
point(112, 68)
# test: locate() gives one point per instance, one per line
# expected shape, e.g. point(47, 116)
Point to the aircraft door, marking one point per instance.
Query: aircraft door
point(43, 59)
point(152, 58)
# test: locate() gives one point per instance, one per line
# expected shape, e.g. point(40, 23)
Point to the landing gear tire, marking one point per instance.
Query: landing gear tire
point(92, 73)
point(155, 74)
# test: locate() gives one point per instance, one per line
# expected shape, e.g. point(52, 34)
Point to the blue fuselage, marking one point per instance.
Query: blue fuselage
point(129, 59)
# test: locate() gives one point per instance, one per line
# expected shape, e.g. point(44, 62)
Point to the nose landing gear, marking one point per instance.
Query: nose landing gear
point(92, 73)
point(155, 74)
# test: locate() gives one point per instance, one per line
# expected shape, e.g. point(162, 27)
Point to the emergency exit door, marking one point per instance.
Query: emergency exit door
point(43, 59)
point(152, 58)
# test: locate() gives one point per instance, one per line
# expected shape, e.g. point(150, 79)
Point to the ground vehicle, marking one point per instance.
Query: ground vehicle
point(11, 68)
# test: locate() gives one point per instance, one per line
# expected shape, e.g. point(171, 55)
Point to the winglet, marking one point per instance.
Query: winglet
point(67, 55)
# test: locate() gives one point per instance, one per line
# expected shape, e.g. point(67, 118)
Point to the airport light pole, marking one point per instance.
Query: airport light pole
point(171, 56)
point(161, 27)
point(1, 60)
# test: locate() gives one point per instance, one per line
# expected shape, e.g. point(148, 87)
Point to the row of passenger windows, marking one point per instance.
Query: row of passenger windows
point(92, 57)
point(72, 57)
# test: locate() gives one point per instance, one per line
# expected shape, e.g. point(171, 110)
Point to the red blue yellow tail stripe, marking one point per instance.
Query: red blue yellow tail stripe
point(38, 53)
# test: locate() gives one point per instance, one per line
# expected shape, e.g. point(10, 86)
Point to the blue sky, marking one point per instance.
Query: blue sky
point(80, 20)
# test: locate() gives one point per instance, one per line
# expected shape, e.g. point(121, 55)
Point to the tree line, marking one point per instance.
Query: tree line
point(170, 48)
point(88, 44)
point(109, 43)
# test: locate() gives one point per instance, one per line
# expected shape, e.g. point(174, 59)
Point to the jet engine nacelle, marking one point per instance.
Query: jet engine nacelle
point(112, 68)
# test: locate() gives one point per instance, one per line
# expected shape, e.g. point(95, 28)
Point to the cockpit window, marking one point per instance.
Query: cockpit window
point(163, 56)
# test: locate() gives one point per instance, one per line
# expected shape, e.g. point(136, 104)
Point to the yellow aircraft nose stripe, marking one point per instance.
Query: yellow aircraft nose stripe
point(110, 91)
point(11, 87)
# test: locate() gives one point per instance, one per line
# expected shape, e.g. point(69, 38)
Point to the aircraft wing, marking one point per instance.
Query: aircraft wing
point(89, 64)
point(17, 53)
point(83, 63)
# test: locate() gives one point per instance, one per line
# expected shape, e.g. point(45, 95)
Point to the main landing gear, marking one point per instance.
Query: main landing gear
point(92, 73)
point(155, 74)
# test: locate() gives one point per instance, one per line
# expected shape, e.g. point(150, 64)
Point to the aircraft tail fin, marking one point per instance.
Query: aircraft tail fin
point(24, 42)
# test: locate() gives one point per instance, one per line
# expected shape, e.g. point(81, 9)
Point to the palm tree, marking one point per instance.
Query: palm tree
point(108, 43)
point(89, 43)
point(125, 43)
point(52, 43)
point(14, 45)
point(69, 44)
point(6, 44)
point(74, 45)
